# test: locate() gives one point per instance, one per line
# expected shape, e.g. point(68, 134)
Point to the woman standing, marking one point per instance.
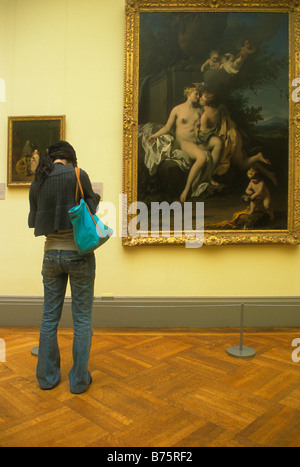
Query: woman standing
point(52, 195)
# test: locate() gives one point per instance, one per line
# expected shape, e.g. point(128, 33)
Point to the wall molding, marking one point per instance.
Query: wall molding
point(163, 312)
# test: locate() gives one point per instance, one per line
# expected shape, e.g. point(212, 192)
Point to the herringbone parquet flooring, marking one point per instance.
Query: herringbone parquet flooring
point(156, 388)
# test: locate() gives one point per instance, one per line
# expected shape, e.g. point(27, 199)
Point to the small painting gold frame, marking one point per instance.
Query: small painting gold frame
point(29, 137)
point(149, 21)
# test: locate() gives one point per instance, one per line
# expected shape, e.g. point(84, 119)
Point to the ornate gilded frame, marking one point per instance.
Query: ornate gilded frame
point(131, 102)
point(24, 135)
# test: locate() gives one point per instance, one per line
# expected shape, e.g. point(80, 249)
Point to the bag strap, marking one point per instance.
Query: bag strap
point(78, 186)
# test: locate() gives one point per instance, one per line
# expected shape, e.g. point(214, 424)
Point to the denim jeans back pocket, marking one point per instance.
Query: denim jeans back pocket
point(77, 266)
point(50, 265)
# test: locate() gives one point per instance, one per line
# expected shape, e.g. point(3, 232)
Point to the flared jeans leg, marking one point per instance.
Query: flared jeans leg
point(82, 278)
point(55, 283)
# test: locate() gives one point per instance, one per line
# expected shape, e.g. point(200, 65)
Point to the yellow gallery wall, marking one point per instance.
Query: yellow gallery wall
point(66, 57)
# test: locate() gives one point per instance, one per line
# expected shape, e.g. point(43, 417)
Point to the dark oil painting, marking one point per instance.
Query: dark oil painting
point(231, 69)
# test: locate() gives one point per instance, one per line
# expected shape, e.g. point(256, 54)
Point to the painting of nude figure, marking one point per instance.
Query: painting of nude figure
point(213, 117)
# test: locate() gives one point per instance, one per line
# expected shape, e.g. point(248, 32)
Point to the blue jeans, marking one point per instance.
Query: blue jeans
point(58, 266)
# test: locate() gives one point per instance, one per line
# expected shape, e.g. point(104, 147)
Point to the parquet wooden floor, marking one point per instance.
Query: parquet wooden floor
point(155, 388)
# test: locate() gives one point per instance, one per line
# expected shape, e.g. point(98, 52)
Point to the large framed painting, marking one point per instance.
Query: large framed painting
point(211, 122)
point(28, 137)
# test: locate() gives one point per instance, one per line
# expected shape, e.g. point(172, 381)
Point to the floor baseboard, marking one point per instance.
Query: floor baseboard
point(163, 312)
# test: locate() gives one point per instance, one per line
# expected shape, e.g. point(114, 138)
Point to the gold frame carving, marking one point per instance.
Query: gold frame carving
point(133, 9)
point(22, 140)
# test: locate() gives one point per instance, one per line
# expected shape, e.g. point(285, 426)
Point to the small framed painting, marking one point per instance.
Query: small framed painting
point(28, 137)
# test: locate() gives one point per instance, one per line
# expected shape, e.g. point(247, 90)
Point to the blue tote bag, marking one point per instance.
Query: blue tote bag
point(89, 231)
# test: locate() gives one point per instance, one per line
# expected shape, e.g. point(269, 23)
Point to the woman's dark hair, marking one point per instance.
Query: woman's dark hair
point(63, 150)
point(58, 150)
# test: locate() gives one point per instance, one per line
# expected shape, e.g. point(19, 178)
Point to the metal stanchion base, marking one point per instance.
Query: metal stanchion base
point(35, 351)
point(241, 352)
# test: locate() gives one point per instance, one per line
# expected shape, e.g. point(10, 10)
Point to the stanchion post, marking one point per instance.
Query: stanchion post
point(241, 351)
point(242, 327)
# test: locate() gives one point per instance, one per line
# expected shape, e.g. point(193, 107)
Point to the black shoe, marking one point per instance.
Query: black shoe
point(49, 389)
point(81, 392)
